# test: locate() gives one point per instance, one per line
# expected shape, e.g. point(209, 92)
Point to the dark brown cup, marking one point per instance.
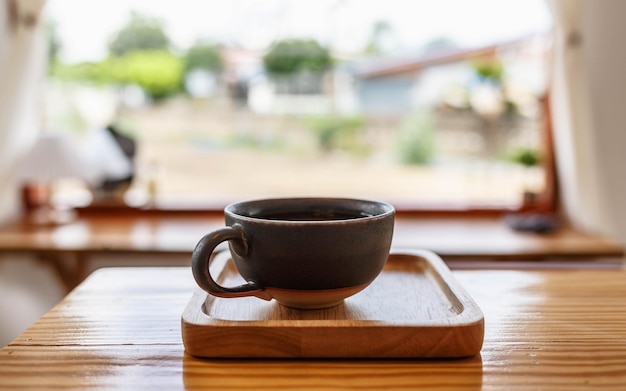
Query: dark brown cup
point(303, 252)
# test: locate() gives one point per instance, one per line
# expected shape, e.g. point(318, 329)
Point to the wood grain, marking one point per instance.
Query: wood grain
point(168, 238)
point(452, 238)
point(415, 308)
point(544, 330)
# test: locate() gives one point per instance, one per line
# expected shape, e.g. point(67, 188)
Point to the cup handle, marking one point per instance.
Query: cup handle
point(201, 260)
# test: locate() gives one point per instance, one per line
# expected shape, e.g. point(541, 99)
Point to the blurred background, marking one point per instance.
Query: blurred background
point(427, 105)
point(436, 104)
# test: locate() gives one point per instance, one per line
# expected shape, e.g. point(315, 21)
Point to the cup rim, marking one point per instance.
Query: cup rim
point(386, 209)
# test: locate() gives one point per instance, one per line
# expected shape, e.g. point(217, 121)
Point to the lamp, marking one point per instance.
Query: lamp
point(52, 157)
point(111, 155)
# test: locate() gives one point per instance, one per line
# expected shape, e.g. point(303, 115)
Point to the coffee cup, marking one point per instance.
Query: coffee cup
point(305, 253)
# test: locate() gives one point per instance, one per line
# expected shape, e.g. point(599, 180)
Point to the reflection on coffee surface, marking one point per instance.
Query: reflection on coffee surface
point(312, 215)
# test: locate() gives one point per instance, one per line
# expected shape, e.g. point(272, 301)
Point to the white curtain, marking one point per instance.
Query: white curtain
point(589, 114)
point(22, 61)
point(28, 288)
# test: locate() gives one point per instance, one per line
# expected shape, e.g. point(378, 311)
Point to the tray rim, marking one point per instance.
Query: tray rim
point(470, 313)
point(469, 320)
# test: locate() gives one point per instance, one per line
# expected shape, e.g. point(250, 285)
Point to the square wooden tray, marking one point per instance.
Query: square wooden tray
point(415, 308)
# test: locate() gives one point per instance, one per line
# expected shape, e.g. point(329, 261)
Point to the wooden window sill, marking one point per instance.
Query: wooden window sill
point(453, 237)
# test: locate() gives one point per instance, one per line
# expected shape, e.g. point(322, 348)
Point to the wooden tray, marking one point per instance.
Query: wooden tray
point(415, 308)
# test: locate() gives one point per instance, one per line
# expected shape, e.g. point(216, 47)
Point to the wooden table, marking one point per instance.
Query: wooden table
point(120, 329)
point(470, 241)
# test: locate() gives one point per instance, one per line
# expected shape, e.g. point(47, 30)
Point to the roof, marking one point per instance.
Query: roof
point(449, 55)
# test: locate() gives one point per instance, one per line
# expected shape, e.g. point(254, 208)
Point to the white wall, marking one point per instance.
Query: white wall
point(604, 54)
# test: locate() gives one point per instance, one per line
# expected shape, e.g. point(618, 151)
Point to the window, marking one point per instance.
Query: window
point(421, 103)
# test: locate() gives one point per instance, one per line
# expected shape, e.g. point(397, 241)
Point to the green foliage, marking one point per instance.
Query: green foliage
point(253, 140)
point(489, 69)
point(204, 56)
point(103, 72)
point(141, 33)
point(527, 157)
point(293, 55)
point(416, 139)
point(379, 30)
point(336, 132)
point(158, 72)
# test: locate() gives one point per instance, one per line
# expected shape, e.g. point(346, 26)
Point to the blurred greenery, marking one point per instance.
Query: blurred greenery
point(375, 43)
point(103, 72)
point(140, 33)
point(203, 55)
point(416, 139)
point(527, 157)
point(138, 54)
point(490, 69)
point(293, 55)
point(158, 72)
point(336, 132)
point(253, 140)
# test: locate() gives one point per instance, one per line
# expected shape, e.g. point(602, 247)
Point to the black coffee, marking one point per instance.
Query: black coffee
point(314, 215)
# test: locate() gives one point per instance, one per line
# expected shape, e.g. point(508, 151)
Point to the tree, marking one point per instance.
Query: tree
point(141, 33)
point(376, 44)
point(291, 56)
point(204, 55)
point(416, 140)
point(158, 72)
point(489, 69)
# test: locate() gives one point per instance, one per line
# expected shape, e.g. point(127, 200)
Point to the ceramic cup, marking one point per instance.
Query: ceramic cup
point(302, 252)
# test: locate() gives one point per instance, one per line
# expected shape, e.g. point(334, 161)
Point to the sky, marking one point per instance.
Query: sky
point(85, 27)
